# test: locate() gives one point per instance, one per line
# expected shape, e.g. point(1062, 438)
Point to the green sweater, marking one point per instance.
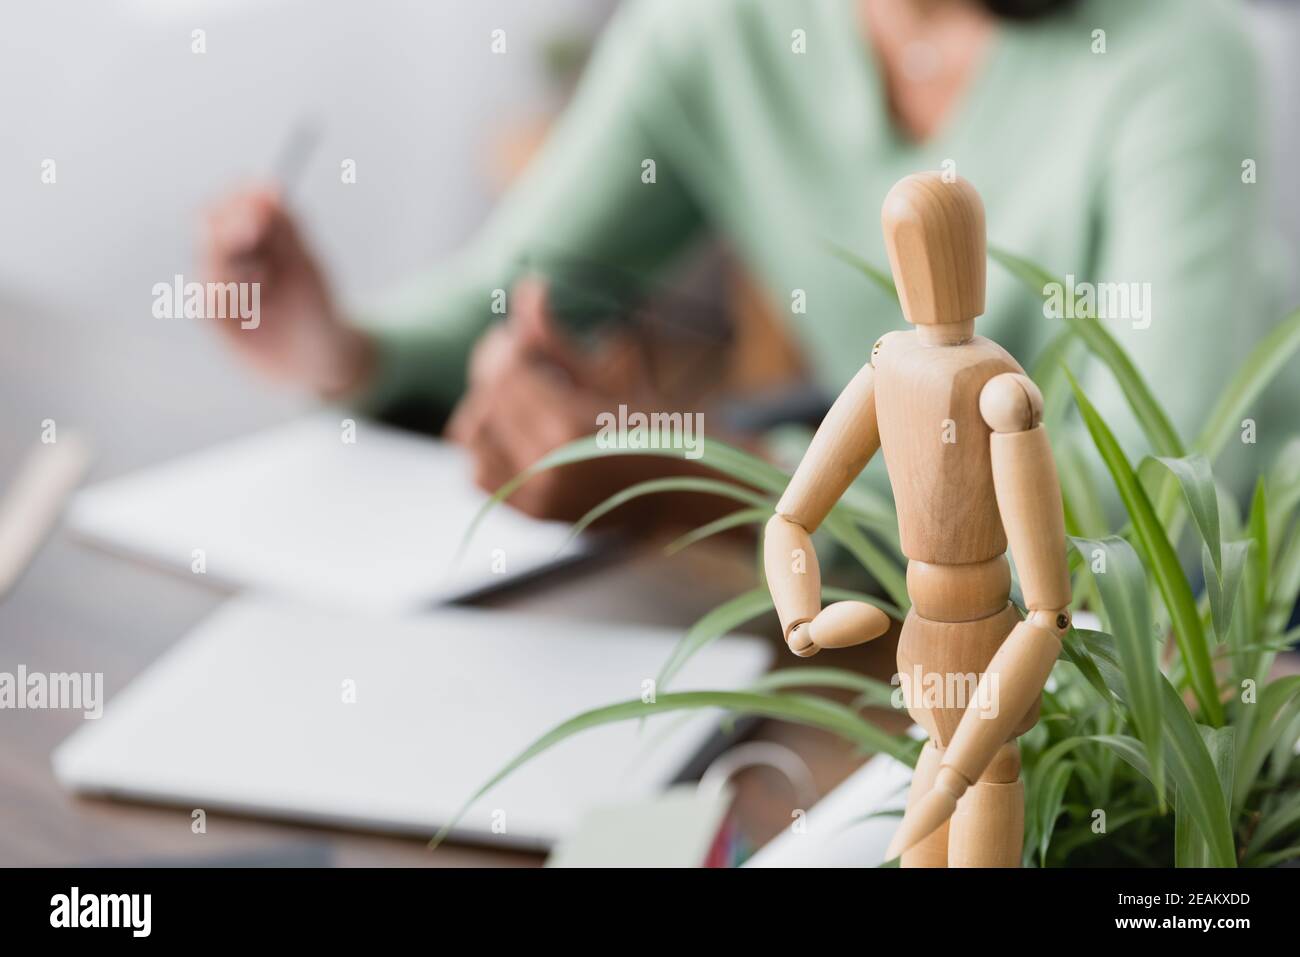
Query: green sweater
point(1122, 166)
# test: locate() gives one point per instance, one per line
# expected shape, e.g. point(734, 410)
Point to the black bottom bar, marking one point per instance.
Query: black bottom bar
point(335, 906)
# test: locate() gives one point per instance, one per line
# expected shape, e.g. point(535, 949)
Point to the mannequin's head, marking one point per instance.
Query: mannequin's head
point(934, 233)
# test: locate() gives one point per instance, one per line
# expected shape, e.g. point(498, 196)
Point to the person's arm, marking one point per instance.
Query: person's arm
point(584, 199)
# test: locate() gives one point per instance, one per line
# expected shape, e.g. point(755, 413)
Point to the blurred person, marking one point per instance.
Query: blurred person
point(1106, 138)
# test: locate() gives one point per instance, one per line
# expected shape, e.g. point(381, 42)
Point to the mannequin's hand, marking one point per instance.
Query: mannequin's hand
point(841, 625)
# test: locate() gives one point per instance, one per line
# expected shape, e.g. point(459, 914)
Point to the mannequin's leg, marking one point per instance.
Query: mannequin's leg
point(933, 851)
point(988, 828)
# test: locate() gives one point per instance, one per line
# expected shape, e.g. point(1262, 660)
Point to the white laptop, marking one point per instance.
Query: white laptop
point(372, 524)
point(391, 724)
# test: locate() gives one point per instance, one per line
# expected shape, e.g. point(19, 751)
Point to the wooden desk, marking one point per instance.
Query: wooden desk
point(143, 390)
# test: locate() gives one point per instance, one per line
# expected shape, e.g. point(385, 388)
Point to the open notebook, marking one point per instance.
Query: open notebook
point(373, 524)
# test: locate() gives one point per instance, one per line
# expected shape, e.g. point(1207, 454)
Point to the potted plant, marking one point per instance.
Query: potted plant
point(1162, 739)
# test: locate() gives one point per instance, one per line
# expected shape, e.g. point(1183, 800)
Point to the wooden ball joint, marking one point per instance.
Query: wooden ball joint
point(959, 425)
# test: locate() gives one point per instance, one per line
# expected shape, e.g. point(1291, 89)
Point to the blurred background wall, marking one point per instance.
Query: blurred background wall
point(1276, 28)
point(144, 132)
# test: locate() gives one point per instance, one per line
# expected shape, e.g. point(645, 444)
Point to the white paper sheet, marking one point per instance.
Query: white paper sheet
point(392, 723)
point(296, 511)
point(842, 829)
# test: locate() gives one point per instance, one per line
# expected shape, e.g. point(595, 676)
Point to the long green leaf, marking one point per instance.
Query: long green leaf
point(1080, 491)
point(679, 483)
point(1198, 779)
point(1283, 480)
point(726, 459)
point(737, 519)
point(1248, 624)
point(1129, 749)
point(1258, 562)
point(869, 691)
point(1283, 758)
point(1267, 359)
point(1046, 789)
point(878, 276)
point(1197, 482)
point(1186, 756)
point(1077, 654)
point(1276, 822)
point(1104, 655)
point(1048, 806)
point(1122, 583)
point(1285, 582)
point(1260, 726)
point(882, 568)
point(801, 709)
point(1046, 372)
point(1149, 413)
point(1222, 588)
point(1160, 561)
point(1190, 846)
point(1084, 835)
point(1277, 857)
point(720, 620)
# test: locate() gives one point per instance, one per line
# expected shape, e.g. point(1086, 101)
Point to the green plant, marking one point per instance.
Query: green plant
point(1148, 752)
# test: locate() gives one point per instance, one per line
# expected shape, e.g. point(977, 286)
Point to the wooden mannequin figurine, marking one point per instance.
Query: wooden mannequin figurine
point(958, 423)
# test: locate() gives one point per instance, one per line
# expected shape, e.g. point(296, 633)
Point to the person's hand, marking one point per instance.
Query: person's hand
point(532, 390)
point(299, 337)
